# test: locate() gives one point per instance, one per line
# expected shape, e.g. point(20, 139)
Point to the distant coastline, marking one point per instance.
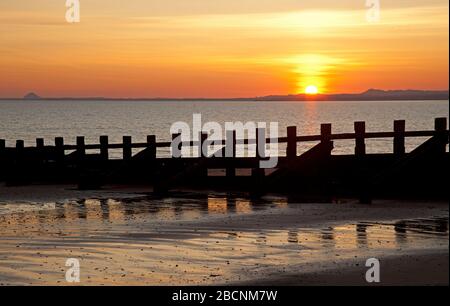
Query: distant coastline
point(369, 95)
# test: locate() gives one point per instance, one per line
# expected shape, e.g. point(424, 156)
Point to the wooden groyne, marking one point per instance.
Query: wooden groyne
point(421, 172)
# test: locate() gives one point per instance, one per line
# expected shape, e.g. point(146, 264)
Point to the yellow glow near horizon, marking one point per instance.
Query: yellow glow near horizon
point(311, 90)
point(222, 48)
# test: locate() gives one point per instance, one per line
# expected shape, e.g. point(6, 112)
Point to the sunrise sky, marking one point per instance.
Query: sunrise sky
point(220, 48)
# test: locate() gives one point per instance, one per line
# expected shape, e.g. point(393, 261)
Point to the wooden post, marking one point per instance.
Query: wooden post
point(127, 151)
point(230, 144)
point(203, 154)
point(440, 128)
point(40, 148)
point(20, 148)
point(59, 149)
point(230, 152)
point(177, 146)
point(2, 147)
point(104, 143)
point(81, 147)
point(2, 153)
point(20, 144)
point(151, 146)
point(291, 150)
point(258, 172)
point(325, 132)
point(260, 143)
point(39, 143)
point(203, 145)
point(399, 137)
point(360, 131)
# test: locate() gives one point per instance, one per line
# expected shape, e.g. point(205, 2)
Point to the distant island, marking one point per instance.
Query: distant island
point(369, 95)
point(31, 96)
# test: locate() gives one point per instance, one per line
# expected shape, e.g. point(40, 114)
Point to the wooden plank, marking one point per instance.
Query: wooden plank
point(104, 141)
point(399, 137)
point(230, 152)
point(81, 149)
point(151, 146)
point(325, 132)
point(127, 150)
point(261, 143)
point(59, 149)
point(39, 144)
point(176, 145)
point(204, 145)
point(291, 150)
point(360, 131)
point(440, 128)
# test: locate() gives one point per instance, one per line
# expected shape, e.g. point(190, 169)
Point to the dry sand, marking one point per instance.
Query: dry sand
point(123, 237)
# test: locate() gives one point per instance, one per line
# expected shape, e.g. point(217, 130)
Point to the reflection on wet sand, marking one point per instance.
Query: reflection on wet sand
point(123, 241)
point(112, 210)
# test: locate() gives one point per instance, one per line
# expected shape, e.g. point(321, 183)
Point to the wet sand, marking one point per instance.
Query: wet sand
point(127, 237)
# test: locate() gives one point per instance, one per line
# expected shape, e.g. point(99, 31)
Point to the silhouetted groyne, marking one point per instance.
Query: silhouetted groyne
point(316, 173)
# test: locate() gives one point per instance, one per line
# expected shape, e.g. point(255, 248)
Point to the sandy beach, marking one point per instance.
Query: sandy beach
point(126, 236)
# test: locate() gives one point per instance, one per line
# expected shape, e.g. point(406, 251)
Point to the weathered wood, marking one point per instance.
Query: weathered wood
point(127, 149)
point(261, 143)
point(295, 167)
point(20, 151)
point(104, 153)
point(360, 131)
point(176, 145)
point(258, 173)
point(291, 150)
point(399, 137)
point(20, 144)
point(440, 128)
point(151, 146)
point(325, 132)
point(39, 144)
point(81, 149)
point(204, 145)
point(230, 152)
point(59, 149)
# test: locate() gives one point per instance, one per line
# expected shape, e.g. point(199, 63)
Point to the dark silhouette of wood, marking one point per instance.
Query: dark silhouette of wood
point(59, 150)
point(81, 148)
point(127, 148)
point(104, 147)
point(399, 137)
point(291, 150)
point(230, 171)
point(440, 128)
point(174, 145)
point(360, 145)
point(315, 173)
point(151, 147)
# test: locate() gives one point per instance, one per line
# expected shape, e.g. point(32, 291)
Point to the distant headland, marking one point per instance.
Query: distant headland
point(31, 96)
point(369, 95)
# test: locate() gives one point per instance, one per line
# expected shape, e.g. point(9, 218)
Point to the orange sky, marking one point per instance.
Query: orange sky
point(220, 48)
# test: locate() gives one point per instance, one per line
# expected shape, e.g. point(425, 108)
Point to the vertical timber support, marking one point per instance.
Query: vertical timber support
point(59, 150)
point(360, 132)
point(127, 150)
point(440, 133)
point(291, 150)
point(230, 153)
point(104, 143)
point(399, 137)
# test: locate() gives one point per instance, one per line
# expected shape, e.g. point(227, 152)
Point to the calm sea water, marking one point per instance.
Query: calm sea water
point(29, 120)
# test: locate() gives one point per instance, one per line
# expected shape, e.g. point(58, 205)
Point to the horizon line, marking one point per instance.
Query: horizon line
point(307, 97)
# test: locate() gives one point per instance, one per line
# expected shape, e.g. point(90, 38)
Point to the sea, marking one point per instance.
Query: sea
point(28, 120)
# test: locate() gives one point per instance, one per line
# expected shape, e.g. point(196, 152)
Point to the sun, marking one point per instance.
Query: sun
point(311, 90)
